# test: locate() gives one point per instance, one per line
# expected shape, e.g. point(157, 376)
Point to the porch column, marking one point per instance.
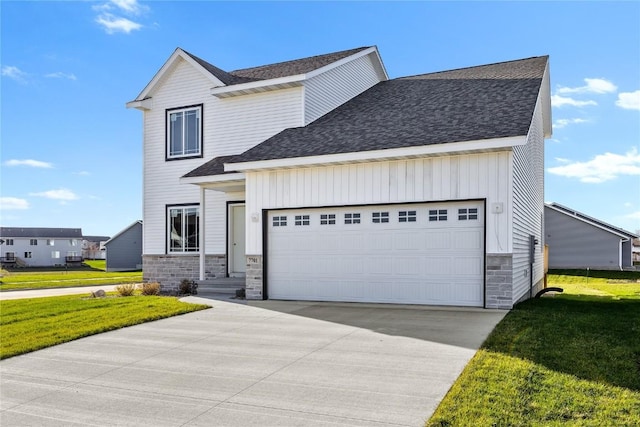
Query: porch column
point(201, 233)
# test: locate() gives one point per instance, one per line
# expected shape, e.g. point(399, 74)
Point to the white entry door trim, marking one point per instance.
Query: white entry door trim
point(236, 241)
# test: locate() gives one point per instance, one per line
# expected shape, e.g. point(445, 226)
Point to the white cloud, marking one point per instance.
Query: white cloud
point(562, 160)
point(559, 101)
point(10, 203)
point(111, 19)
point(599, 86)
point(560, 123)
point(29, 162)
point(629, 100)
point(14, 73)
point(60, 194)
point(603, 167)
point(115, 24)
point(633, 215)
point(61, 75)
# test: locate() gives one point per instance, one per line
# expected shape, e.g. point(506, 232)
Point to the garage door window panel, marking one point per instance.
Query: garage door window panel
point(279, 221)
point(327, 219)
point(302, 220)
point(407, 216)
point(380, 217)
point(437, 215)
point(467, 214)
point(352, 218)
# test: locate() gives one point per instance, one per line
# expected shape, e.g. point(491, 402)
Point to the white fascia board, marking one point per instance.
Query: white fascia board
point(206, 180)
point(545, 92)
point(178, 53)
point(143, 104)
point(586, 221)
point(289, 80)
point(377, 155)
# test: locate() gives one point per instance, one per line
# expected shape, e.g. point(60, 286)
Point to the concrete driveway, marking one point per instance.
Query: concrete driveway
point(265, 363)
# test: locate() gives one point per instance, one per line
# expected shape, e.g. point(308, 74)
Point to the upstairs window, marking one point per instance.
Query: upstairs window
point(33, 242)
point(184, 132)
point(183, 228)
point(51, 242)
point(9, 242)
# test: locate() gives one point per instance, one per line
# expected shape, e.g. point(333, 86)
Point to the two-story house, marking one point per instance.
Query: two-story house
point(40, 247)
point(322, 179)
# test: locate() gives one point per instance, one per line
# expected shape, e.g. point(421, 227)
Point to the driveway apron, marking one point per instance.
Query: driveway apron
point(267, 363)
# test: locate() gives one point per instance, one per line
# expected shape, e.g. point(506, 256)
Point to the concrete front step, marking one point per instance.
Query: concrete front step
point(222, 285)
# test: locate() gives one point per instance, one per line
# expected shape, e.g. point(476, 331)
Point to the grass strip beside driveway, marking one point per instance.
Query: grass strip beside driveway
point(31, 324)
point(569, 360)
point(63, 279)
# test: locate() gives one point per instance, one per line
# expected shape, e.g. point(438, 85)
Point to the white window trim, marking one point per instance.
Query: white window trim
point(171, 111)
point(168, 228)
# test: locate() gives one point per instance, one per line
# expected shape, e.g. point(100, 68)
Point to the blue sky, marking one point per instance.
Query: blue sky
point(71, 153)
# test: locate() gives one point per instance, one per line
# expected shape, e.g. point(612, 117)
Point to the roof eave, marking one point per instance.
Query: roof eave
point(258, 86)
point(496, 144)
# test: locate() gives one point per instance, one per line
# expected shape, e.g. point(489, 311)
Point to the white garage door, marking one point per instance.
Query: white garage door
point(410, 254)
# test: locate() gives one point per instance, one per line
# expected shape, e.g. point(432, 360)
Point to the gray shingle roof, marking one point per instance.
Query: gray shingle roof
point(273, 71)
point(214, 166)
point(39, 232)
point(477, 103)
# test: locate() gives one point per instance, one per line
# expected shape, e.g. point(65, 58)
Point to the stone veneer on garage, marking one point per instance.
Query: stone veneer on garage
point(499, 281)
point(170, 270)
point(254, 277)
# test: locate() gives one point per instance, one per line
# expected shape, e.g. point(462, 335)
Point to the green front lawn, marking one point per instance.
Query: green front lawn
point(31, 324)
point(573, 359)
point(40, 278)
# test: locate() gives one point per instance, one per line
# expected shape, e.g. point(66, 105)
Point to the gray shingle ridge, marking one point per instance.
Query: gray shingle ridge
point(295, 66)
point(470, 104)
point(42, 232)
point(220, 74)
point(276, 70)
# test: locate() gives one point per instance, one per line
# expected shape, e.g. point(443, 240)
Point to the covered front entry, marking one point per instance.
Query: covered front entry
point(425, 253)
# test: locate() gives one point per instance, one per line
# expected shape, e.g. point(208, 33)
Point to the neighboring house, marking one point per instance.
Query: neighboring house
point(635, 248)
point(124, 250)
point(577, 240)
point(321, 179)
point(93, 247)
point(40, 247)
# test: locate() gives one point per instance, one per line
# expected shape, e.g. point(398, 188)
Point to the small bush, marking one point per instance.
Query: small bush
point(152, 288)
point(188, 287)
point(126, 290)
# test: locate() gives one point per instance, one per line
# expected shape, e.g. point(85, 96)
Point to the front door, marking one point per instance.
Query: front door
point(237, 263)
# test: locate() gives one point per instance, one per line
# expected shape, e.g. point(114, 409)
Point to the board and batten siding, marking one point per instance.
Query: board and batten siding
point(230, 126)
point(528, 206)
point(325, 92)
point(447, 178)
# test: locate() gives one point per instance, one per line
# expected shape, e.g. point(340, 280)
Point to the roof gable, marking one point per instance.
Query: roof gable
point(221, 78)
point(477, 103)
point(579, 216)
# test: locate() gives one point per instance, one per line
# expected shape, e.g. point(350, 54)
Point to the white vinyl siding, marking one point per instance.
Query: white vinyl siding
point(528, 206)
point(40, 255)
point(230, 126)
point(334, 87)
point(463, 177)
